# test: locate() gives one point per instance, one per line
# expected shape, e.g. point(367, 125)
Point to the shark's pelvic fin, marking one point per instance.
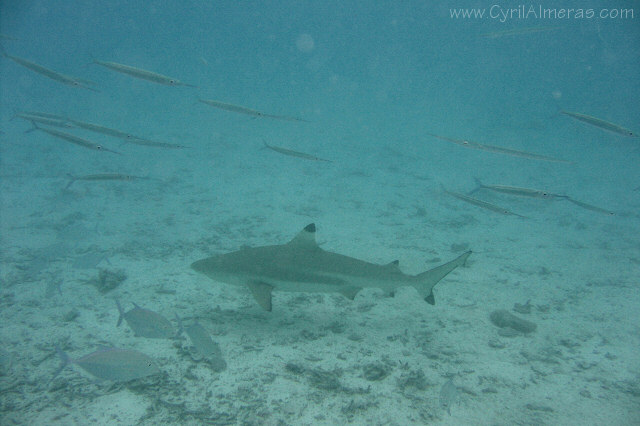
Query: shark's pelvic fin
point(262, 293)
point(350, 292)
point(306, 237)
point(427, 280)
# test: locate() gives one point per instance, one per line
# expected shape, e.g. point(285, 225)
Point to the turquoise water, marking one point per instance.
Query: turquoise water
point(373, 84)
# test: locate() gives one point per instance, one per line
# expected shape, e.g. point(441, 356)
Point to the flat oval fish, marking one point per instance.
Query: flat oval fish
point(448, 395)
point(116, 365)
point(146, 323)
point(205, 346)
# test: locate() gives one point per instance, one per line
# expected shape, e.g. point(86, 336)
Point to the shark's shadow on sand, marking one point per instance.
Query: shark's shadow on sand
point(302, 266)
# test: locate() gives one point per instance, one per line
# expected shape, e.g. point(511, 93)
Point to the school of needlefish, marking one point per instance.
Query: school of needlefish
point(299, 265)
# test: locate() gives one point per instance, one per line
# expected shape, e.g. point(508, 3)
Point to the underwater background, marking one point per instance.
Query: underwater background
point(407, 131)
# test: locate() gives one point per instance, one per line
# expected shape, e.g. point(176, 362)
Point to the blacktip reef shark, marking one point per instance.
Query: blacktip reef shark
point(302, 266)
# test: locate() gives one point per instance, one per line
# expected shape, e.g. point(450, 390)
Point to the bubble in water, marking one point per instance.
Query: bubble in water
point(305, 43)
point(556, 94)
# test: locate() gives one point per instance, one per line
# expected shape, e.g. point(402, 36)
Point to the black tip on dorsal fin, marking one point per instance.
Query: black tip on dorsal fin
point(306, 237)
point(394, 264)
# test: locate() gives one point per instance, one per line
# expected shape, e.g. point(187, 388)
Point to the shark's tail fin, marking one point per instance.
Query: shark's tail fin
point(427, 280)
point(478, 187)
point(65, 361)
point(72, 179)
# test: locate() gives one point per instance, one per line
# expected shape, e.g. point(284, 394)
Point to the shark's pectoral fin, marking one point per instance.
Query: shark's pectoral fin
point(350, 292)
point(261, 291)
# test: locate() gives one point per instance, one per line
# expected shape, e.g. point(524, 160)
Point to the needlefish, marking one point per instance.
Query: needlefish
point(53, 75)
point(482, 204)
point(498, 149)
point(597, 122)
point(75, 140)
point(102, 177)
point(536, 193)
point(514, 190)
point(113, 364)
point(293, 153)
point(42, 118)
point(128, 137)
point(518, 31)
point(247, 111)
point(142, 74)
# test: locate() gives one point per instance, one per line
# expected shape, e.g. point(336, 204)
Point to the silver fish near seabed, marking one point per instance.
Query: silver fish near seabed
point(302, 266)
point(116, 365)
point(448, 395)
point(146, 323)
point(293, 153)
point(206, 347)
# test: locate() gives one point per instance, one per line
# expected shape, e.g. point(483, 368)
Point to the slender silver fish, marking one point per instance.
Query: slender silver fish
point(292, 153)
point(46, 115)
point(514, 190)
point(76, 140)
point(247, 111)
point(57, 121)
point(518, 31)
point(597, 122)
point(97, 128)
point(590, 207)
point(102, 177)
point(498, 149)
point(482, 204)
point(142, 74)
point(536, 193)
point(53, 75)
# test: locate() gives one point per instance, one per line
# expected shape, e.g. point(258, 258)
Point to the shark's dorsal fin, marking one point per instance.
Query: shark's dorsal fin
point(306, 237)
point(261, 291)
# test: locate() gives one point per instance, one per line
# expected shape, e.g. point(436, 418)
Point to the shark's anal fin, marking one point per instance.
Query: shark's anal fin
point(350, 292)
point(261, 291)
